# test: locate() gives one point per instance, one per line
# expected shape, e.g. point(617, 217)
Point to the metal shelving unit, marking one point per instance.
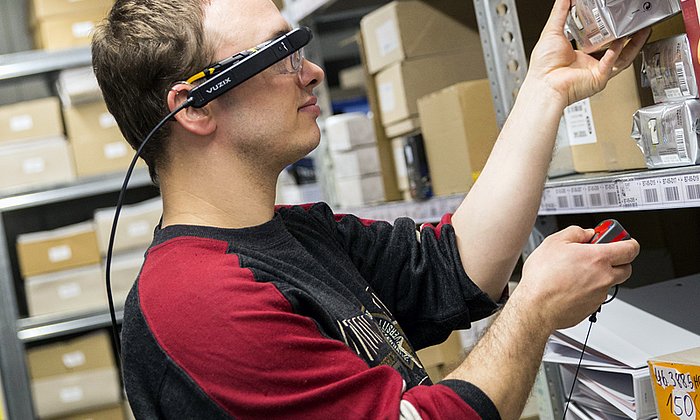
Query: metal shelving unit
point(35, 62)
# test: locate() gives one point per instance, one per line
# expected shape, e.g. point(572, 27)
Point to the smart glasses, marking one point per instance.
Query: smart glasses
point(288, 66)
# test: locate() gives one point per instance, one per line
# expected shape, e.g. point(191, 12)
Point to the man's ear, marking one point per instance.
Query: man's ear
point(198, 121)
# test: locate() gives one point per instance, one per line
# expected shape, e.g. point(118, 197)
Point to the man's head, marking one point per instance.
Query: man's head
point(146, 49)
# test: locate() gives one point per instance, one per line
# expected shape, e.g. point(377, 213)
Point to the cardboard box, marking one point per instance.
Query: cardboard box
point(78, 86)
point(74, 375)
point(595, 134)
point(97, 144)
point(667, 67)
point(135, 227)
point(359, 191)
point(125, 270)
point(593, 24)
point(408, 29)
point(459, 130)
point(115, 412)
point(42, 9)
point(36, 119)
point(666, 133)
point(35, 163)
point(403, 128)
point(676, 381)
point(348, 131)
point(400, 85)
point(67, 30)
point(358, 162)
point(55, 250)
point(441, 359)
point(68, 291)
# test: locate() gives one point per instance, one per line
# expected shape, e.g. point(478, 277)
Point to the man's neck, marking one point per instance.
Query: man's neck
point(230, 199)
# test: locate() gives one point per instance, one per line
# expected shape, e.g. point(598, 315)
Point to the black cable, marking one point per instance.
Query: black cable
point(118, 209)
point(578, 366)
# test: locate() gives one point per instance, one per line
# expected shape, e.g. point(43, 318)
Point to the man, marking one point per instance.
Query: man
point(250, 311)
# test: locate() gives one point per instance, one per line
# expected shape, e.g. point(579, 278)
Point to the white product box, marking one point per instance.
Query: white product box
point(347, 131)
point(135, 228)
point(35, 163)
point(358, 162)
point(667, 66)
point(359, 191)
point(66, 291)
point(667, 135)
point(593, 24)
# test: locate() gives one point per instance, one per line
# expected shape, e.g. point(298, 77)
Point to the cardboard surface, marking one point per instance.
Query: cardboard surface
point(85, 353)
point(442, 354)
point(459, 130)
point(67, 247)
point(400, 85)
point(125, 269)
point(67, 30)
point(115, 412)
point(596, 136)
point(97, 144)
point(135, 228)
point(408, 29)
point(358, 162)
point(676, 381)
point(36, 119)
point(34, 163)
point(67, 291)
point(42, 9)
point(406, 127)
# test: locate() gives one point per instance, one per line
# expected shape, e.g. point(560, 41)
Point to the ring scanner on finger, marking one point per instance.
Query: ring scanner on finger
point(608, 231)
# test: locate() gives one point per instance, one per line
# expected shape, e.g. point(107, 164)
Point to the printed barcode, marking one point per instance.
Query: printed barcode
point(682, 79)
point(612, 199)
point(599, 21)
point(578, 134)
point(672, 194)
point(693, 191)
point(563, 202)
point(680, 143)
point(578, 200)
point(651, 195)
point(596, 200)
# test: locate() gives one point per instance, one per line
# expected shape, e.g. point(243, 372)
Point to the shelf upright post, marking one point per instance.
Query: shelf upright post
point(504, 53)
point(13, 369)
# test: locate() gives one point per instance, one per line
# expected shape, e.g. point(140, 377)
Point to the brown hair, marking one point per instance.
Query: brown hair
point(138, 53)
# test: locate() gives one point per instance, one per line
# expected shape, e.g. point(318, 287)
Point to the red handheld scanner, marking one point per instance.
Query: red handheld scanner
point(609, 231)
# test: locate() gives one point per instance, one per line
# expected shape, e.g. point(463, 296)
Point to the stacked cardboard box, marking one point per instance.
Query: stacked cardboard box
point(412, 49)
point(133, 236)
point(441, 359)
point(595, 133)
point(61, 24)
point(61, 270)
point(75, 376)
point(459, 130)
point(33, 149)
point(355, 158)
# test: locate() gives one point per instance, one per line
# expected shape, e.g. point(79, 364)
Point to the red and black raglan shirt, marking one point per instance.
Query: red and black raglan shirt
point(311, 315)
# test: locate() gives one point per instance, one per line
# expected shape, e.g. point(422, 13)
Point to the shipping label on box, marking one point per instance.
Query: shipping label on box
point(666, 133)
point(676, 381)
point(56, 250)
point(593, 24)
point(31, 120)
point(667, 66)
point(408, 29)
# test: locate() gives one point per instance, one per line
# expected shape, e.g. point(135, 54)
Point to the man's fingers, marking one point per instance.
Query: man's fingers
point(622, 273)
point(558, 16)
point(621, 253)
point(632, 48)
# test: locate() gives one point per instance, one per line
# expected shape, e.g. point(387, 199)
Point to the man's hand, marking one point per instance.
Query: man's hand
point(574, 75)
point(566, 279)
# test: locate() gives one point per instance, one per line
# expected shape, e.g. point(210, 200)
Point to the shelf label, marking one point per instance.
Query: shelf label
point(73, 359)
point(139, 228)
point(35, 165)
point(115, 150)
point(387, 37)
point(69, 291)
point(579, 123)
point(22, 122)
point(71, 394)
point(60, 253)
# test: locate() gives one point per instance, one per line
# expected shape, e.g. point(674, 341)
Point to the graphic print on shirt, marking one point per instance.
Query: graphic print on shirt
point(365, 333)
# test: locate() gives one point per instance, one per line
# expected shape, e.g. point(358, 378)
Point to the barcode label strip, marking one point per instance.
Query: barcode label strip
point(672, 194)
point(578, 201)
point(680, 143)
point(682, 79)
point(563, 202)
point(693, 191)
point(612, 199)
point(651, 195)
point(596, 200)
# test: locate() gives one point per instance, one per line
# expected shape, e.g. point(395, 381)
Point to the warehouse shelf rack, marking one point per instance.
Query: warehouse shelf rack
point(35, 62)
point(506, 64)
